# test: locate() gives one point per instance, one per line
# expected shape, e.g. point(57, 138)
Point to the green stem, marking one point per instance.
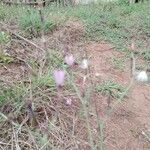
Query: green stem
point(86, 114)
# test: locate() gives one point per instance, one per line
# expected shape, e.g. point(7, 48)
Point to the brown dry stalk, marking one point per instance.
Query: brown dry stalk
point(42, 37)
point(42, 30)
point(132, 65)
point(6, 118)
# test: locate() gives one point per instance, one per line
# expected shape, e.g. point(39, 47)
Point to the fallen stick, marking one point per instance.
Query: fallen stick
point(43, 39)
point(6, 28)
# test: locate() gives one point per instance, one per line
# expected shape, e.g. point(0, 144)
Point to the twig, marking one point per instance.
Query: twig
point(100, 127)
point(146, 97)
point(43, 38)
point(132, 65)
point(27, 64)
point(42, 30)
point(89, 68)
point(6, 28)
point(6, 118)
point(32, 115)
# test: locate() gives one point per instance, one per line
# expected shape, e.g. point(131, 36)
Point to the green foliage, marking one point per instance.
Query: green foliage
point(9, 13)
point(111, 88)
point(148, 135)
point(112, 22)
point(117, 24)
point(14, 93)
point(30, 21)
point(17, 92)
point(2, 13)
point(118, 62)
point(55, 60)
point(6, 59)
point(146, 54)
point(45, 80)
point(123, 2)
point(4, 37)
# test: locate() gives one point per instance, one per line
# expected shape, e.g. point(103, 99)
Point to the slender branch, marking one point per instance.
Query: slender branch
point(6, 118)
point(82, 100)
point(6, 28)
point(132, 65)
point(42, 37)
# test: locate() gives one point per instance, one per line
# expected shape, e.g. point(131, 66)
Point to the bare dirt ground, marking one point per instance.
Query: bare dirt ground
point(130, 120)
point(127, 125)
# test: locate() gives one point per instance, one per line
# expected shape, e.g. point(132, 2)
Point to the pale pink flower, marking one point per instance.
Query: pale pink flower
point(133, 46)
point(69, 60)
point(59, 77)
point(68, 102)
point(84, 64)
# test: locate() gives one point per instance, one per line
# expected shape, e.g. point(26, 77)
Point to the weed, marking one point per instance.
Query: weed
point(13, 93)
point(4, 37)
point(146, 54)
point(19, 91)
point(110, 88)
point(30, 22)
point(9, 13)
point(6, 59)
point(117, 25)
point(118, 62)
point(55, 59)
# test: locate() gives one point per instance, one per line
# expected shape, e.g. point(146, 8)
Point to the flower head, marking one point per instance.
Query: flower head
point(69, 59)
point(69, 102)
point(142, 76)
point(133, 46)
point(84, 64)
point(59, 77)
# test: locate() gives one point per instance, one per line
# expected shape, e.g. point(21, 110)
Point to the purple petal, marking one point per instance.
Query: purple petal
point(59, 77)
point(69, 102)
point(69, 59)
